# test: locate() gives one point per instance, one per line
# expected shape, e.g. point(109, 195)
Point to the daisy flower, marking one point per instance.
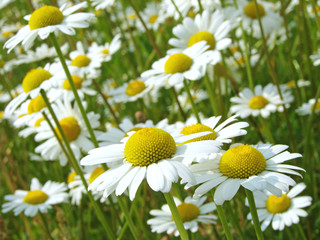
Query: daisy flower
point(306, 108)
point(192, 212)
point(262, 101)
point(150, 153)
point(311, 11)
point(211, 28)
point(102, 4)
point(238, 59)
point(39, 198)
point(49, 19)
point(315, 58)
point(197, 95)
point(8, 30)
point(153, 15)
point(255, 167)
point(281, 211)
point(301, 83)
point(74, 128)
point(174, 68)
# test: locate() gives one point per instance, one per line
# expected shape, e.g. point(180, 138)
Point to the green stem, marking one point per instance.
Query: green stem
point(266, 129)
point(175, 95)
point(45, 224)
point(74, 90)
point(177, 9)
point(77, 168)
point(211, 94)
point(176, 216)
point(235, 221)
point(200, 6)
point(300, 229)
point(194, 108)
point(254, 214)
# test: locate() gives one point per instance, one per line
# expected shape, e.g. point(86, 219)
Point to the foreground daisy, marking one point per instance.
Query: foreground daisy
point(192, 212)
point(49, 19)
point(256, 167)
point(262, 101)
point(174, 68)
point(281, 211)
point(150, 153)
point(39, 198)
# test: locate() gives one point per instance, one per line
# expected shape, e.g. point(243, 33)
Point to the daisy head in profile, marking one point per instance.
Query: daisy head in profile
point(192, 212)
point(307, 108)
point(262, 101)
point(255, 167)
point(283, 210)
point(150, 153)
point(49, 19)
point(211, 28)
point(38, 199)
point(174, 68)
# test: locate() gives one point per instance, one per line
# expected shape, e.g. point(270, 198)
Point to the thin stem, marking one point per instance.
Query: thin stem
point(74, 90)
point(45, 224)
point(176, 217)
point(194, 108)
point(200, 6)
point(223, 220)
point(211, 95)
point(177, 9)
point(314, 8)
point(254, 214)
point(300, 229)
point(175, 95)
point(234, 220)
point(266, 129)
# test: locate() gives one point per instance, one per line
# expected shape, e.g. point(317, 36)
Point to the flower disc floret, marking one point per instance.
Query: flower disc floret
point(96, 173)
point(105, 51)
point(188, 211)
point(34, 78)
point(35, 197)
point(76, 80)
point(38, 122)
point(133, 129)
point(242, 162)
point(276, 204)
point(258, 102)
point(36, 104)
point(70, 128)
point(45, 16)
point(135, 87)
point(202, 36)
point(71, 177)
point(149, 145)
point(197, 128)
point(250, 10)
point(153, 18)
point(80, 61)
point(177, 63)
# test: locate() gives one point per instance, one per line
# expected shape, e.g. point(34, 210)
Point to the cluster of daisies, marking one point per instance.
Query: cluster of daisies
point(71, 108)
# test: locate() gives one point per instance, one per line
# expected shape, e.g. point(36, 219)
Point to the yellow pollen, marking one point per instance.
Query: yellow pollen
point(242, 162)
point(80, 61)
point(250, 10)
point(45, 16)
point(71, 177)
point(134, 87)
point(36, 104)
point(133, 129)
point(317, 106)
point(149, 145)
point(132, 16)
point(188, 211)
point(153, 19)
point(105, 51)
point(38, 122)
point(191, 13)
point(203, 36)
point(197, 128)
point(34, 78)
point(2, 63)
point(6, 34)
point(70, 128)
point(96, 173)
point(76, 80)
point(276, 204)
point(177, 62)
point(35, 197)
point(1, 114)
point(258, 102)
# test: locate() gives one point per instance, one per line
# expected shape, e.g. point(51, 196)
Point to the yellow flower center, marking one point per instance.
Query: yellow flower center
point(188, 211)
point(80, 61)
point(149, 145)
point(134, 87)
point(197, 128)
point(2, 63)
point(71, 177)
point(105, 51)
point(234, 49)
point(1, 114)
point(133, 129)
point(76, 80)
point(6, 34)
point(132, 16)
point(317, 106)
point(153, 19)
point(38, 122)
point(36, 104)
point(250, 10)
point(242, 162)
point(96, 173)
point(45, 16)
point(70, 128)
point(177, 62)
point(258, 102)
point(291, 83)
point(202, 36)
point(35, 197)
point(191, 13)
point(276, 204)
point(34, 78)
